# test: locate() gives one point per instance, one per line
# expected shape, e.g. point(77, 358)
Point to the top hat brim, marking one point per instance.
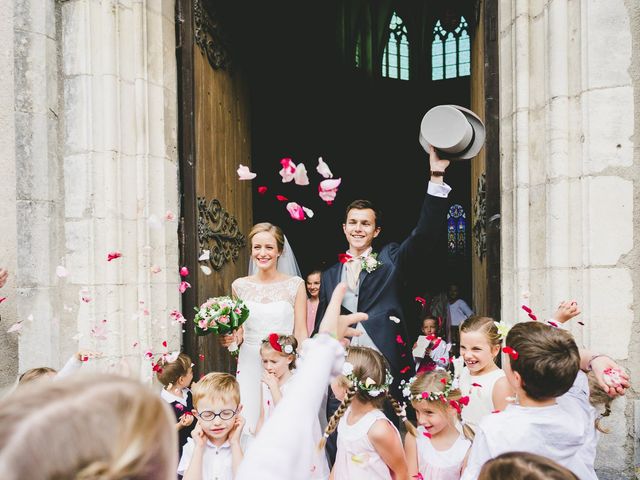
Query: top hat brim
point(477, 141)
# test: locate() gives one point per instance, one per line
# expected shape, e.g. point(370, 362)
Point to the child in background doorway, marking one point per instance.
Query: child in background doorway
point(459, 311)
point(175, 373)
point(431, 350)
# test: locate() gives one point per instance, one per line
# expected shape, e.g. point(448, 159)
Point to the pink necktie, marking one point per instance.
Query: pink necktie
point(354, 267)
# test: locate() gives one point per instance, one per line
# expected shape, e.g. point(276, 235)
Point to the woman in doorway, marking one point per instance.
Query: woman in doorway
point(276, 297)
point(312, 283)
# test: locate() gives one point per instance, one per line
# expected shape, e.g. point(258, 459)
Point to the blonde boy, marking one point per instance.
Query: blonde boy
point(214, 450)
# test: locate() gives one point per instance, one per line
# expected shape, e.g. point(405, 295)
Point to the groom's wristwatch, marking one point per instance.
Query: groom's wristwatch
point(437, 174)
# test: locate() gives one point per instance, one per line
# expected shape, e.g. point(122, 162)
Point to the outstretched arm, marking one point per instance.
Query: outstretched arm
point(414, 250)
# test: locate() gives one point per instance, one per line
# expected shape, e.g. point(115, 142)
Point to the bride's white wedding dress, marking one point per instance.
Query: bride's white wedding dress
point(271, 310)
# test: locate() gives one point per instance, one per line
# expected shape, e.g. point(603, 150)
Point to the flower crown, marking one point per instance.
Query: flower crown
point(450, 383)
point(369, 385)
point(274, 340)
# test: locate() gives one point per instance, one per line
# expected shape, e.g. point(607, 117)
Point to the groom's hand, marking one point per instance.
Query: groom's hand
point(437, 165)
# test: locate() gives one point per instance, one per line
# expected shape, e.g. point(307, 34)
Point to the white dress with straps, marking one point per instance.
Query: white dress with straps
point(271, 310)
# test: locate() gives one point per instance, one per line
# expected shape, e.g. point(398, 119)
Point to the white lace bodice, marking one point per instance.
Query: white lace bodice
point(271, 306)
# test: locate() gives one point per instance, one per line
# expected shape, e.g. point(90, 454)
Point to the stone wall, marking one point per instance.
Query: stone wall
point(569, 161)
point(96, 172)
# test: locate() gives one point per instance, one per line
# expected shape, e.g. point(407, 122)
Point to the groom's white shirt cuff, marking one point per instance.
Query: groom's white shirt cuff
point(438, 189)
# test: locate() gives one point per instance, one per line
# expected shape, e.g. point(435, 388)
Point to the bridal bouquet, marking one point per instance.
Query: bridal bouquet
point(221, 316)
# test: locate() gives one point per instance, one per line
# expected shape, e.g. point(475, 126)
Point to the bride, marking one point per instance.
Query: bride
point(277, 303)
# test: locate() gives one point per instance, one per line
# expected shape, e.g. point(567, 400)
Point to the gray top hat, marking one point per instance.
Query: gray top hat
point(455, 131)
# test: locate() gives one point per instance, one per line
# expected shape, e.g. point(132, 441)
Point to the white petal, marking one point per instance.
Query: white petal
point(61, 272)
point(308, 211)
point(394, 319)
point(204, 256)
point(206, 270)
point(323, 169)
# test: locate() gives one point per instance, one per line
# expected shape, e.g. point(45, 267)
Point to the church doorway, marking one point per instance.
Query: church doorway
point(348, 81)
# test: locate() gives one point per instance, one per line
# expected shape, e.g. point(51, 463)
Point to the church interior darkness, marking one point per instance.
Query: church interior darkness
point(317, 89)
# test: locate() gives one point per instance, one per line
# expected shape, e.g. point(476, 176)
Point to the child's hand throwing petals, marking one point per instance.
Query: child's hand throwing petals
point(199, 437)
point(236, 430)
point(602, 366)
point(566, 311)
point(84, 355)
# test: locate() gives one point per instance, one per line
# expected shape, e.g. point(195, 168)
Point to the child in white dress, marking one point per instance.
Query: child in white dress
point(439, 450)
point(481, 379)
point(369, 445)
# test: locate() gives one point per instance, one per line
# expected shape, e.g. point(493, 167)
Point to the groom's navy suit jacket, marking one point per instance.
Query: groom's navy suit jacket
point(381, 291)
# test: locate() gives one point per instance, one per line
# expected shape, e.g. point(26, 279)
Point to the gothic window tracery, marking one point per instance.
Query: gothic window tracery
point(395, 59)
point(451, 51)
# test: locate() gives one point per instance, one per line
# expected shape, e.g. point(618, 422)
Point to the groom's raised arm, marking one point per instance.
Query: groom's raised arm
point(415, 250)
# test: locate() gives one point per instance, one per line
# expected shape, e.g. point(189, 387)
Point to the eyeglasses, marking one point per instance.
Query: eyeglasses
point(208, 415)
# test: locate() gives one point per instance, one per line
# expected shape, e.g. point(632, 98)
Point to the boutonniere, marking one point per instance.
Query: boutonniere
point(370, 262)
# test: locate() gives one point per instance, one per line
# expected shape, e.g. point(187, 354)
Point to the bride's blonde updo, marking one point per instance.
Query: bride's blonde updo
point(87, 427)
point(269, 228)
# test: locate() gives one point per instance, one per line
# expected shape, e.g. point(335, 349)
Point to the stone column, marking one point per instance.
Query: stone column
point(569, 181)
point(120, 177)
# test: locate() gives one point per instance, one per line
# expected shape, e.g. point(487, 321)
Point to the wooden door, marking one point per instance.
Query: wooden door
point(485, 168)
point(214, 140)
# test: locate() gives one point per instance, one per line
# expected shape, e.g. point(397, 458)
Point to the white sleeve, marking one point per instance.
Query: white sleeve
point(291, 423)
point(479, 455)
point(185, 459)
point(72, 366)
point(438, 189)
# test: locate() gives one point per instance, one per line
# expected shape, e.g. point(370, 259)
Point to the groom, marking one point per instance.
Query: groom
point(375, 279)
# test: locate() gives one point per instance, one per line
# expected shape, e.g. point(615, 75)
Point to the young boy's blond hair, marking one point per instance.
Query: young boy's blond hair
point(216, 385)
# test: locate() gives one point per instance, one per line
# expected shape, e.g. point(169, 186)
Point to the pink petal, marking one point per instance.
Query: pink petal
point(184, 271)
point(288, 170)
point(295, 210)
point(16, 327)
point(300, 176)
point(164, 343)
point(323, 169)
point(155, 269)
point(262, 189)
point(2, 299)
point(169, 216)
point(113, 256)
point(148, 354)
point(245, 174)
point(61, 272)
point(308, 211)
point(282, 198)
point(327, 189)
point(183, 286)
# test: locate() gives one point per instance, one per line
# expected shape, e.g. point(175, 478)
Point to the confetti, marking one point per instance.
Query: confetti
point(288, 170)
point(113, 256)
point(511, 352)
point(183, 286)
point(16, 327)
point(327, 189)
point(295, 211)
point(300, 176)
point(323, 169)
point(244, 173)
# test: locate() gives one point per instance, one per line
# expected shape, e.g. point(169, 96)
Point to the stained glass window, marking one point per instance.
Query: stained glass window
point(451, 51)
point(395, 59)
point(456, 230)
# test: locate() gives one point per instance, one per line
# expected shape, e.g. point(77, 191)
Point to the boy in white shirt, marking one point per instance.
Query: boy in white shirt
point(542, 365)
point(214, 451)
